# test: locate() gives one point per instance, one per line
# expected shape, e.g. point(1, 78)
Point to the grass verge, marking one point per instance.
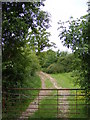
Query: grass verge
point(16, 104)
point(65, 80)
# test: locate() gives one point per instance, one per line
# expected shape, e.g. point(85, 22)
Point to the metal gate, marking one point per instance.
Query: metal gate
point(27, 103)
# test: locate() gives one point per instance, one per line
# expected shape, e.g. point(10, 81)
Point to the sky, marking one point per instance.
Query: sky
point(63, 10)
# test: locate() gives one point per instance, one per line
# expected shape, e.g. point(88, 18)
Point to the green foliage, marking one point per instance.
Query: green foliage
point(58, 62)
point(20, 105)
point(76, 36)
point(66, 62)
point(49, 57)
point(16, 71)
point(53, 68)
point(39, 41)
point(32, 61)
point(42, 58)
point(19, 60)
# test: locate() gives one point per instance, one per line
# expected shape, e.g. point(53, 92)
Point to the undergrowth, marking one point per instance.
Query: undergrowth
point(20, 99)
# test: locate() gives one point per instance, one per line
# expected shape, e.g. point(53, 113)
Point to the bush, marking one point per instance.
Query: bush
point(55, 68)
point(18, 69)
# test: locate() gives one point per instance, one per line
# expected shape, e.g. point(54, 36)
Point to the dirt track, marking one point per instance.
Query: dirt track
point(64, 98)
point(34, 104)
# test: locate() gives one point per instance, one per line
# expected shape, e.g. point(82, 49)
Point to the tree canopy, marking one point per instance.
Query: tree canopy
point(76, 36)
point(21, 19)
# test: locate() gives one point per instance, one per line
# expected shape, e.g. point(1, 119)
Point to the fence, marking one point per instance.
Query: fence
point(25, 103)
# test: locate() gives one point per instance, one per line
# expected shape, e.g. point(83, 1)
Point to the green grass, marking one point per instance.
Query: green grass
point(65, 80)
point(16, 107)
point(44, 107)
point(48, 84)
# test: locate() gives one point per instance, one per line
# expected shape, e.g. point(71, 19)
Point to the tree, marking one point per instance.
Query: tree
point(18, 60)
point(27, 17)
point(39, 41)
point(73, 36)
point(76, 36)
point(50, 58)
point(57, 62)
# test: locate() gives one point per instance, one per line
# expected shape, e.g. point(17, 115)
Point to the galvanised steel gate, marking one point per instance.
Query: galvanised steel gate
point(27, 103)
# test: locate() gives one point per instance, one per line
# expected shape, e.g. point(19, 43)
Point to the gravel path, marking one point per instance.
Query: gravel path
point(29, 111)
